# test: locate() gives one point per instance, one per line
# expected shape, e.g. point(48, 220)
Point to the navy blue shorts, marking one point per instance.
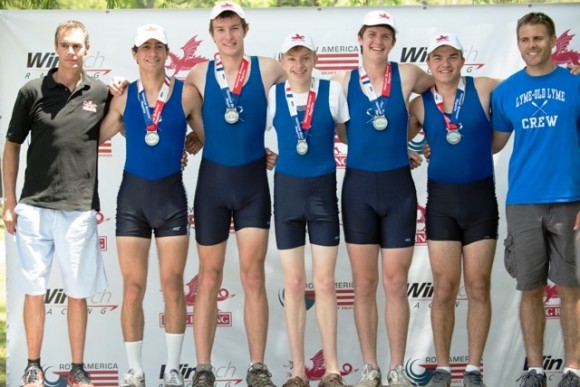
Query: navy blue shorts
point(302, 203)
point(158, 205)
point(462, 212)
point(379, 207)
point(223, 192)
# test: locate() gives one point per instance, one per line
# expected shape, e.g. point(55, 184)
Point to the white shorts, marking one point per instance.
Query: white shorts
point(71, 237)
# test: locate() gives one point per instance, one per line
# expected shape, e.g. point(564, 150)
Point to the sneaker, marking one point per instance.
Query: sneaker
point(397, 377)
point(296, 382)
point(473, 379)
point(132, 379)
point(203, 378)
point(259, 376)
point(370, 377)
point(172, 379)
point(532, 379)
point(332, 380)
point(569, 379)
point(440, 378)
point(33, 377)
point(78, 377)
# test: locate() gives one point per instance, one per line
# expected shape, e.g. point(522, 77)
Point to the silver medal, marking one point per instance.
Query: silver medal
point(232, 116)
point(152, 138)
point(302, 147)
point(380, 122)
point(453, 137)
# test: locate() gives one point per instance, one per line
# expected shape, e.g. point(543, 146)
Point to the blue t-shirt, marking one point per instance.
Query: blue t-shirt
point(370, 149)
point(319, 160)
point(243, 142)
point(544, 112)
point(471, 159)
point(163, 159)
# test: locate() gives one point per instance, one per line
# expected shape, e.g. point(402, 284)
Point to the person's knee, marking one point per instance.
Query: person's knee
point(445, 292)
point(295, 286)
point(478, 291)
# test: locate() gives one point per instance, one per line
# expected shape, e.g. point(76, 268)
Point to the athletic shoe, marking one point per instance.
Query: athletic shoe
point(569, 379)
point(78, 377)
point(440, 378)
point(473, 379)
point(259, 376)
point(296, 382)
point(173, 379)
point(532, 379)
point(332, 380)
point(370, 377)
point(397, 377)
point(132, 379)
point(33, 377)
point(203, 378)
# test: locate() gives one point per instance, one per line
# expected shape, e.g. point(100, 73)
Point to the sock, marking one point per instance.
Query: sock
point(174, 344)
point(471, 368)
point(448, 369)
point(539, 370)
point(134, 349)
point(575, 371)
point(34, 362)
point(203, 367)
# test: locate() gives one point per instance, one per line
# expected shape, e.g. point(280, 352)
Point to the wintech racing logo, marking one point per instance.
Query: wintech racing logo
point(418, 55)
point(102, 374)
point(38, 64)
point(553, 367)
point(56, 303)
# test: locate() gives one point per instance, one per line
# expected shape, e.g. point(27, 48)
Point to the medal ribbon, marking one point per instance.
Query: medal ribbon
point(152, 122)
point(300, 128)
point(370, 90)
point(459, 97)
point(231, 97)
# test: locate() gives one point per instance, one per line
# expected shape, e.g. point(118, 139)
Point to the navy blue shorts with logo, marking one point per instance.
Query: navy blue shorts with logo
point(462, 212)
point(223, 192)
point(158, 205)
point(302, 203)
point(379, 207)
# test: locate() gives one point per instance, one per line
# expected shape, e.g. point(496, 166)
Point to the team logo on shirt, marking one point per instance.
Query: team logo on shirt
point(182, 64)
point(102, 374)
point(420, 372)
point(317, 371)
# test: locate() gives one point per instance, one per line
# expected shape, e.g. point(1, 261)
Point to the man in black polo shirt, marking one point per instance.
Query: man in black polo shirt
point(56, 214)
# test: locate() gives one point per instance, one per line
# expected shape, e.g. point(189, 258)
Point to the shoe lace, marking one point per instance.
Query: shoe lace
point(203, 378)
point(32, 375)
point(569, 380)
point(369, 374)
point(530, 379)
point(173, 378)
point(81, 376)
point(474, 378)
point(262, 378)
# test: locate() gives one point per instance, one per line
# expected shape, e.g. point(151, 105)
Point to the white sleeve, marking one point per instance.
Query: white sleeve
point(337, 103)
point(271, 107)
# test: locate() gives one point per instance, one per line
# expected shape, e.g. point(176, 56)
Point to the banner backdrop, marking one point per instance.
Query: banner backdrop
point(488, 35)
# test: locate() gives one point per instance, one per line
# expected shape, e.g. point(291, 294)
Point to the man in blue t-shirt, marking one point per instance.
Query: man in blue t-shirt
point(541, 103)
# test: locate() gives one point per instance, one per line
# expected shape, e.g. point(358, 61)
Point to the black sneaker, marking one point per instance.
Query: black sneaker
point(78, 377)
point(259, 376)
point(203, 378)
point(532, 379)
point(569, 379)
point(33, 377)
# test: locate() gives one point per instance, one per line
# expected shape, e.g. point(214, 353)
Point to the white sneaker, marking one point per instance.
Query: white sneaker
point(132, 379)
point(370, 377)
point(397, 377)
point(173, 379)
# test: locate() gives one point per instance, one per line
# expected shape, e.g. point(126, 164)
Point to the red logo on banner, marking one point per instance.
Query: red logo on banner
point(106, 149)
point(189, 58)
point(552, 301)
point(563, 55)
point(317, 371)
point(421, 233)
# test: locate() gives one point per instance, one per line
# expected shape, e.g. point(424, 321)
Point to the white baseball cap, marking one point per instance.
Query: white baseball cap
point(378, 18)
point(444, 39)
point(150, 31)
point(226, 6)
point(296, 39)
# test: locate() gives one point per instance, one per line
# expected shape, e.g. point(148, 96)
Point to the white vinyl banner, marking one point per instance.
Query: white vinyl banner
point(489, 40)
